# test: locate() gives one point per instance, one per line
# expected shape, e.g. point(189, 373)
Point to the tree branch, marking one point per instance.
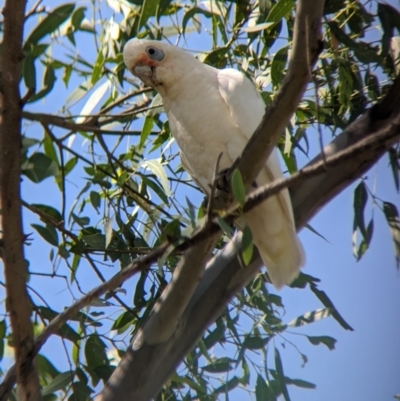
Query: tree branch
point(18, 303)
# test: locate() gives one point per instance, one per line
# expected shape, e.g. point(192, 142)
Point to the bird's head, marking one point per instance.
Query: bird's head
point(156, 63)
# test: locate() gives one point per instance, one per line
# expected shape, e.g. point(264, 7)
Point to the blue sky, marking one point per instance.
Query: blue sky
point(366, 362)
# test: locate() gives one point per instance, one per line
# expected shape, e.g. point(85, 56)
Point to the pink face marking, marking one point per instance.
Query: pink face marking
point(145, 60)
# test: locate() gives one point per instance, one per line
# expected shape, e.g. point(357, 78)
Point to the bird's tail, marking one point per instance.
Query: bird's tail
point(277, 241)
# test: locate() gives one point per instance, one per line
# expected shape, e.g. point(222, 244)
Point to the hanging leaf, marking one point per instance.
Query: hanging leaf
point(148, 10)
point(48, 233)
point(280, 375)
point(280, 10)
point(38, 167)
point(392, 217)
point(278, 66)
point(93, 101)
point(262, 390)
point(326, 340)
point(158, 170)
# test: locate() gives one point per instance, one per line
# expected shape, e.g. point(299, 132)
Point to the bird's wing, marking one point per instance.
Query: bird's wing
point(247, 109)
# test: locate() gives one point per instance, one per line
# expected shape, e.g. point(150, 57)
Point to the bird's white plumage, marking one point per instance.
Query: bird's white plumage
point(212, 111)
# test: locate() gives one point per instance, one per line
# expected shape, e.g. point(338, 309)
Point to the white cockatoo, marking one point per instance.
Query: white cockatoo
point(210, 112)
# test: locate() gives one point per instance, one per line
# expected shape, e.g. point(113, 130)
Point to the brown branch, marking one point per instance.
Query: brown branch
point(64, 122)
point(18, 303)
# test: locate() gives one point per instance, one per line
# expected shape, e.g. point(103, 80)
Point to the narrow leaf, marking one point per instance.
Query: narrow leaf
point(392, 217)
point(58, 383)
point(326, 340)
point(247, 245)
point(50, 23)
point(238, 189)
point(262, 390)
point(93, 101)
point(281, 376)
point(321, 295)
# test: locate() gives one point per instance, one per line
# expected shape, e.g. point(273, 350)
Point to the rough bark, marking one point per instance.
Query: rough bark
point(18, 303)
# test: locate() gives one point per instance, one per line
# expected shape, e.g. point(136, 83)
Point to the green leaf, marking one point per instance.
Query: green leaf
point(146, 130)
point(82, 221)
point(247, 245)
point(300, 383)
point(395, 166)
point(95, 351)
point(262, 390)
point(38, 167)
point(156, 188)
point(50, 23)
point(225, 227)
point(49, 149)
point(48, 84)
point(238, 188)
point(360, 200)
point(67, 332)
point(60, 382)
point(310, 317)
point(219, 365)
point(278, 66)
point(215, 336)
point(281, 376)
point(191, 13)
point(95, 199)
point(3, 328)
point(157, 169)
point(96, 240)
point(187, 380)
point(363, 51)
point(228, 386)
point(81, 391)
point(321, 295)
point(326, 340)
point(70, 165)
point(122, 321)
point(49, 210)
point(29, 71)
point(148, 10)
point(255, 342)
point(108, 231)
point(48, 233)
point(98, 66)
point(46, 368)
point(258, 27)
point(280, 10)
point(392, 217)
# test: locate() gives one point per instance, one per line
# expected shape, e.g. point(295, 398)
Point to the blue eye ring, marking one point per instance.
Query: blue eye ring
point(154, 53)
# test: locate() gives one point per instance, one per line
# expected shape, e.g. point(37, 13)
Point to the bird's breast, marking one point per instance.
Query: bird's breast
point(203, 128)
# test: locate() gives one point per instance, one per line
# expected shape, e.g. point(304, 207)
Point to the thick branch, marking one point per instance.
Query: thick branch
point(225, 276)
point(18, 303)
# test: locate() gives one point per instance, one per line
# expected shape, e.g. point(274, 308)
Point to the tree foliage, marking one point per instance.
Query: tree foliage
point(102, 183)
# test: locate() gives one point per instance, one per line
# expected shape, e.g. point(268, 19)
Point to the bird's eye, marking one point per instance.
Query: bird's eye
point(154, 53)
